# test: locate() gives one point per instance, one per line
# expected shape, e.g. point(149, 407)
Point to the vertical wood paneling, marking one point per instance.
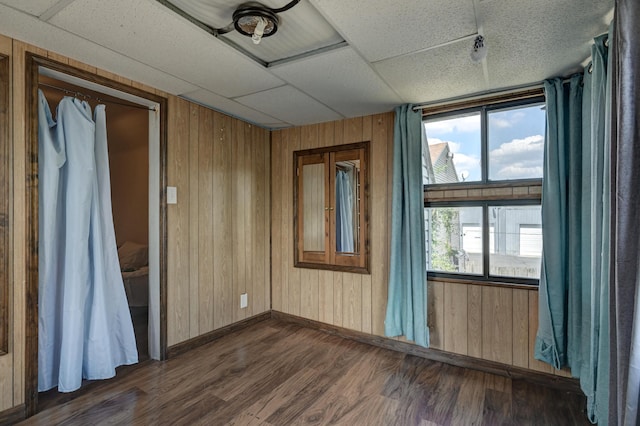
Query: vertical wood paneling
point(455, 318)
point(259, 217)
point(266, 251)
point(379, 196)
point(7, 372)
point(293, 144)
point(534, 364)
point(352, 301)
point(8, 293)
point(325, 297)
point(521, 328)
point(277, 243)
point(194, 230)
point(338, 317)
point(238, 224)
point(474, 317)
point(497, 326)
point(178, 223)
point(222, 221)
point(286, 219)
point(435, 313)
point(205, 221)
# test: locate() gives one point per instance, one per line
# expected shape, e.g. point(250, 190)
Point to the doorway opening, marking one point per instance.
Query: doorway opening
point(136, 138)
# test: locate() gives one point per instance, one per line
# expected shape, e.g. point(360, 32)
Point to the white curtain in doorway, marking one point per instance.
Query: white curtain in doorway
point(85, 329)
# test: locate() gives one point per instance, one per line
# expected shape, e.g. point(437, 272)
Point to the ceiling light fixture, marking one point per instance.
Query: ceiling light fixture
point(256, 20)
point(479, 49)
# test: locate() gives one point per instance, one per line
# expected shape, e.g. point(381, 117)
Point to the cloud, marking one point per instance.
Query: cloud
point(468, 124)
point(518, 159)
point(500, 122)
point(467, 166)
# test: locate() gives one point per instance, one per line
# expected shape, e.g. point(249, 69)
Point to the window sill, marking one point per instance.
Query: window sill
point(481, 281)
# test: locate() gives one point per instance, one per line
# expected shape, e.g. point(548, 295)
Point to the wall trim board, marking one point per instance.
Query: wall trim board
point(32, 62)
point(209, 337)
point(512, 372)
point(6, 170)
point(13, 415)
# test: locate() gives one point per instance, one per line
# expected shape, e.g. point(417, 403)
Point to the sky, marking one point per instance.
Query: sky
point(516, 143)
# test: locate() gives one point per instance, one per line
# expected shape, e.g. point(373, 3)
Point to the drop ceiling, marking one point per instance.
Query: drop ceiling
point(330, 59)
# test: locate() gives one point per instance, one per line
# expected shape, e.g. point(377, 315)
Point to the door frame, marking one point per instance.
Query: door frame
point(32, 64)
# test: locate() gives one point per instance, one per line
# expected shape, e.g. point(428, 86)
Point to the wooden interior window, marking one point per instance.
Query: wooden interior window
point(5, 170)
point(332, 208)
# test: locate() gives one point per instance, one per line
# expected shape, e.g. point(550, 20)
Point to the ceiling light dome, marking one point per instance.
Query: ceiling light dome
point(255, 20)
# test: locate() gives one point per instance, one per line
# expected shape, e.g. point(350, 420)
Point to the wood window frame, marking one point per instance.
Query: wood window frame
point(32, 64)
point(330, 259)
point(5, 214)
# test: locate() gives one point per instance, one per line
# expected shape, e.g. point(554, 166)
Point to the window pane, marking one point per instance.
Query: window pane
point(313, 207)
point(452, 152)
point(454, 239)
point(518, 241)
point(516, 142)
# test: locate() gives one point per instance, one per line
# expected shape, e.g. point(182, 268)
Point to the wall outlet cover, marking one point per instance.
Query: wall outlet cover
point(244, 300)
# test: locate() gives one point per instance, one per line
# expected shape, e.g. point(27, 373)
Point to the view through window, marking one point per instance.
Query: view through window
point(492, 230)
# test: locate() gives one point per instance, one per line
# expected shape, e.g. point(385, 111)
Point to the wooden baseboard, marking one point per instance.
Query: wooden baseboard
point(513, 372)
point(215, 334)
point(12, 415)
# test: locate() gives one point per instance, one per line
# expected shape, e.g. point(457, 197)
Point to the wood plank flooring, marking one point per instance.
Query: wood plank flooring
point(275, 373)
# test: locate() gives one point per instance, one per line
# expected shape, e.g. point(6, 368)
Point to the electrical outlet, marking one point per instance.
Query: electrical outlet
point(244, 300)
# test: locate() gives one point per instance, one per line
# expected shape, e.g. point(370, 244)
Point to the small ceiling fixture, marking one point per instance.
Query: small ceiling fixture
point(479, 49)
point(256, 20)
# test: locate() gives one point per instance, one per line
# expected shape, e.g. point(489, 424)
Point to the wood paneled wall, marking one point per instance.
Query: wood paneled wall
point(353, 301)
point(218, 233)
point(12, 365)
point(492, 323)
point(219, 230)
point(13, 357)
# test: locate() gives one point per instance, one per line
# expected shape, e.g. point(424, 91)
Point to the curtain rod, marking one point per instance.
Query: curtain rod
point(76, 94)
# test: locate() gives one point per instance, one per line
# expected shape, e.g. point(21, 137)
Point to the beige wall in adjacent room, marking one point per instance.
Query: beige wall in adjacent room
point(128, 134)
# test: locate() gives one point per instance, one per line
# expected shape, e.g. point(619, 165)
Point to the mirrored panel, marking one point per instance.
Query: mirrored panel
point(330, 196)
point(347, 201)
point(313, 207)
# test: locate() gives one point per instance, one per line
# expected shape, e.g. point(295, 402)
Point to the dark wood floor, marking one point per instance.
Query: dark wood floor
point(275, 373)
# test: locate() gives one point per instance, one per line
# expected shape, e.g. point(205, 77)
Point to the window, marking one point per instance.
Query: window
point(331, 202)
point(482, 171)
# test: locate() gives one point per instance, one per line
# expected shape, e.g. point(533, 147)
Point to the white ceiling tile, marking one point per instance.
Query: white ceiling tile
point(342, 80)
point(290, 106)
point(439, 73)
point(532, 41)
point(233, 108)
point(301, 29)
point(152, 34)
point(32, 7)
point(382, 29)
point(31, 30)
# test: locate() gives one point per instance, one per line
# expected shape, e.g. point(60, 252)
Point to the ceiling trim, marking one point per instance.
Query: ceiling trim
point(308, 54)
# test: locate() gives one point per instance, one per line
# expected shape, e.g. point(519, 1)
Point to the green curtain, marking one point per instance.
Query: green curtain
point(407, 296)
point(573, 327)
